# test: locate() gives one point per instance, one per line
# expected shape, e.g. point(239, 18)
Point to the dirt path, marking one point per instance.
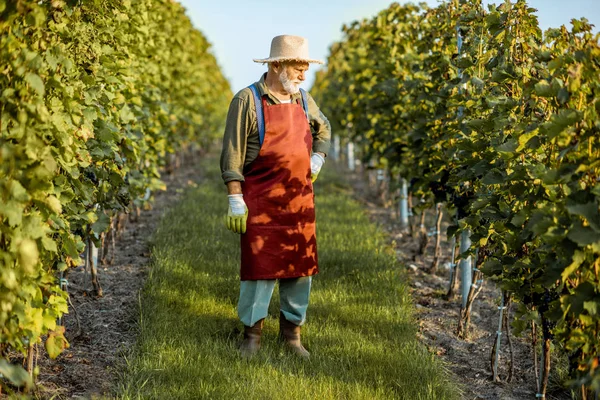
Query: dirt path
point(469, 360)
point(89, 368)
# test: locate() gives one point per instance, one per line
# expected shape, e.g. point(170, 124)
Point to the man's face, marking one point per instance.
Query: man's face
point(292, 75)
point(296, 71)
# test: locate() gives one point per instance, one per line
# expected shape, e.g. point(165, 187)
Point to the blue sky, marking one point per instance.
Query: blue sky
point(242, 30)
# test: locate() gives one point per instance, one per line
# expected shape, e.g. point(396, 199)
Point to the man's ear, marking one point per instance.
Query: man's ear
point(276, 65)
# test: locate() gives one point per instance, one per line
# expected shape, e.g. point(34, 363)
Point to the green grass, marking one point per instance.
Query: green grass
point(360, 328)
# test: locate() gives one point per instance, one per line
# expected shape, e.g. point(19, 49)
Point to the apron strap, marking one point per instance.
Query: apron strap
point(260, 117)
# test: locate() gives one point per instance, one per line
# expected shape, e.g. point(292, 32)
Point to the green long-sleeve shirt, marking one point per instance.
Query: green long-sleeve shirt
point(241, 142)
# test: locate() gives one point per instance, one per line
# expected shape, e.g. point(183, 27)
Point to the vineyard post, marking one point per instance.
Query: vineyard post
point(371, 173)
point(411, 217)
point(465, 241)
point(453, 272)
point(498, 338)
point(465, 266)
point(404, 205)
point(335, 154)
point(507, 330)
point(475, 288)
point(86, 265)
point(63, 282)
point(438, 238)
point(92, 257)
point(453, 265)
point(108, 240)
point(350, 150)
point(382, 184)
point(380, 179)
point(545, 367)
point(30, 359)
point(424, 235)
point(535, 359)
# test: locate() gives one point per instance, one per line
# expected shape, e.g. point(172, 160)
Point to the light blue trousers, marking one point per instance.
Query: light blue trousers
point(255, 297)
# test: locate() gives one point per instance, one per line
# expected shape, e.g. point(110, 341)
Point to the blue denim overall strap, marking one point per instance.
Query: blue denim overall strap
point(260, 118)
point(305, 103)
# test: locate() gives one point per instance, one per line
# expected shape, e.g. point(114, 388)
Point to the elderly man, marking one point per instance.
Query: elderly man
point(275, 143)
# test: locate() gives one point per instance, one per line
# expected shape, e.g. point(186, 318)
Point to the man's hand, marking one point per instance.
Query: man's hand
point(316, 162)
point(237, 215)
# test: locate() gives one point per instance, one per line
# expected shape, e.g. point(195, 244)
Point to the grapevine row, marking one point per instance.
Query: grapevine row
point(94, 95)
point(506, 132)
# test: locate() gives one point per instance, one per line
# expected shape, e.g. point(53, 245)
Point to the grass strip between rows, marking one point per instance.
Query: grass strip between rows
point(360, 328)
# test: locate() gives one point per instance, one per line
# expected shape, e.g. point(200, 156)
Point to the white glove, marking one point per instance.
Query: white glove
point(316, 162)
point(237, 204)
point(237, 214)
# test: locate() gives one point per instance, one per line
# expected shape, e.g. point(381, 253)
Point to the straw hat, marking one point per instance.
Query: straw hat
point(288, 48)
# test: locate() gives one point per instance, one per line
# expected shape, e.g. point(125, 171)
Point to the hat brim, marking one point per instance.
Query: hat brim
point(283, 59)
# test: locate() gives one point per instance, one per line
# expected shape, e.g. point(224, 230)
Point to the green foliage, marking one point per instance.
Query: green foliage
point(15, 374)
point(506, 131)
point(94, 96)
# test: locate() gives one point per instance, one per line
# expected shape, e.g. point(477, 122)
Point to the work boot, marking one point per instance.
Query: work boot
point(251, 343)
point(289, 333)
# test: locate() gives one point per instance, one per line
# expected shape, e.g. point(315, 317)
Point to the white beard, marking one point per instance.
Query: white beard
point(288, 85)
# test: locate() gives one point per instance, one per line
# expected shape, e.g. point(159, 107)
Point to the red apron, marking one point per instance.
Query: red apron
point(280, 240)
